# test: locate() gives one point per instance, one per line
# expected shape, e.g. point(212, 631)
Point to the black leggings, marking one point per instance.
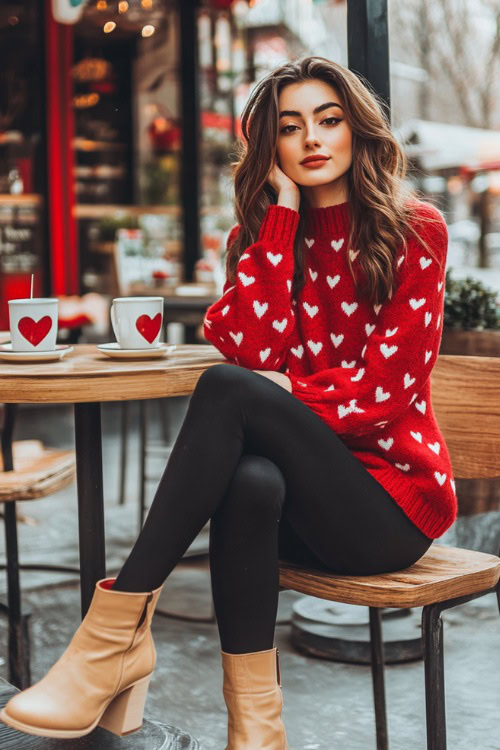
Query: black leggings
point(276, 482)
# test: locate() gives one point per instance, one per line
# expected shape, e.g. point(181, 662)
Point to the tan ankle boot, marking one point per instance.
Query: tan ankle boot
point(101, 679)
point(252, 691)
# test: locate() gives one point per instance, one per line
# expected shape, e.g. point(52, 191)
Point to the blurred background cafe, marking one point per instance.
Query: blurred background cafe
point(119, 120)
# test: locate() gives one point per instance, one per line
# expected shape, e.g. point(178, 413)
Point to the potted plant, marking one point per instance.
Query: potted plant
point(471, 318)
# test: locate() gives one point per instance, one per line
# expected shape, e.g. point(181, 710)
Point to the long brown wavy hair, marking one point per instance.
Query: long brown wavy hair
point(381, 202)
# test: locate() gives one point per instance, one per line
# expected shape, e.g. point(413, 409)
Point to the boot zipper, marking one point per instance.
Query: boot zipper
point(144, 611)
point(278, 670)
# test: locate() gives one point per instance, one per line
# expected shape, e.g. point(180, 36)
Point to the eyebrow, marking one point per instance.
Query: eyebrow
point(293, 113)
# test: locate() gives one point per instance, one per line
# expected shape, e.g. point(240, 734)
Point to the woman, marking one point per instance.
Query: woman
point(317, 441)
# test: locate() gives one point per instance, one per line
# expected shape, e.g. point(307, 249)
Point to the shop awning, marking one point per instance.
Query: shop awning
point(439, 145)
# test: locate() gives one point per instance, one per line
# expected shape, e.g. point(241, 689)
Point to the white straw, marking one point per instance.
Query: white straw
point(32, 277)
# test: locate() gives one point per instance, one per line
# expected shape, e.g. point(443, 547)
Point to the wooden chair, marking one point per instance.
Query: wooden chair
point(27, 472)
point(466, 401)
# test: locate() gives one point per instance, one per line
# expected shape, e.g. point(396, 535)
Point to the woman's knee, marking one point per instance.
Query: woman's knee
point(257, 489)
point(226, 381)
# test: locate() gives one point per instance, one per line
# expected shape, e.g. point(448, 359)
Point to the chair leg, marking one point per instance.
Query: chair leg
point(124, 424)
point(19, 642)
point(143, 420)
point(432, 637)
point(377, 664)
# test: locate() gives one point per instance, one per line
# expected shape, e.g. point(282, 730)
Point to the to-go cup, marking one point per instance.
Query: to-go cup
point(33, 324)
point(137, 321)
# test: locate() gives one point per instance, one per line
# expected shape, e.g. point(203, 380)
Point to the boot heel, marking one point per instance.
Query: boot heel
point(125, 713)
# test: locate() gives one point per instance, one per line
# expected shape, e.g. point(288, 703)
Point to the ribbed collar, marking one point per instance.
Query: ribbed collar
point(328, 221)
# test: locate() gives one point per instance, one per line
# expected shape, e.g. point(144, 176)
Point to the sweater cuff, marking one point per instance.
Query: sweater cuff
point(280, 224)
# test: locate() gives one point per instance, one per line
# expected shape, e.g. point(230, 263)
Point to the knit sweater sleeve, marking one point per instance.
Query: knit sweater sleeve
point(400, 351)
point(252, 323)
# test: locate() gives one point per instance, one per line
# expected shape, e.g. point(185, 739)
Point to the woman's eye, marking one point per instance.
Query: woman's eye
point(327, 119)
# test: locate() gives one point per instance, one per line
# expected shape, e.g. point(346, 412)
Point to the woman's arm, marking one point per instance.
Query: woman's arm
point(253, 322)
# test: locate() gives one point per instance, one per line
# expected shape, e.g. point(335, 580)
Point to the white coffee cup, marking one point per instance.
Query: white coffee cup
point(137, 321)
point(33, 324)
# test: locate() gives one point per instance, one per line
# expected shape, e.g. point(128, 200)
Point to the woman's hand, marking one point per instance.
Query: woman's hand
point(288, 191)
point(278, 378)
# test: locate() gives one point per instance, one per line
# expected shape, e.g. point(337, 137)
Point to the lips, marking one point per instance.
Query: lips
point(310, 159)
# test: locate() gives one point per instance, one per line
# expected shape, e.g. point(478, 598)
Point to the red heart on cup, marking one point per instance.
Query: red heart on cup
point(148, 327)
point(35, 332)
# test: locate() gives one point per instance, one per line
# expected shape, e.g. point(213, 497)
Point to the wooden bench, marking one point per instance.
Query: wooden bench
point(466, 402)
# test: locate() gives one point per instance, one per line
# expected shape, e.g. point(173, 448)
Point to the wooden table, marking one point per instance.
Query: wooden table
point(86, 378)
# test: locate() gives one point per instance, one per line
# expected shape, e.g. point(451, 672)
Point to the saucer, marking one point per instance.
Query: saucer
point(34, 356)
point(113, 350)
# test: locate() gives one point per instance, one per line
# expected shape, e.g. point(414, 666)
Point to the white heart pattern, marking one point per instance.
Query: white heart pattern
point(421, 406)
point(348, 364)
point(369, 329)
point(428, 355)
point(428, 318)
point(388, 351)
point(313, 274)
point(434, 447)
point(353, 254)
point(245, 256)
point(408, 380)
point(403, 467)
point(311, 309)
point(260, 308)
point(424, 262)
point(333, 281)
point(280, 326)
point(289, 285)
point(349, 309)
point(237, 337)
point(441, 478)
point(416, 303)
point(440, 285)
point(309, 243)
point(246, 280)
point(275, 259)
point(337, 244)
point(358, 375)
point(264, 354)
point(330, 388)
point(315, 347)
point(391, 333)
point(225, 310)
point(344, 410)
point(337, 340)
point(416, 435)
point(386, 443)
point(299, 351)
point(380, 395)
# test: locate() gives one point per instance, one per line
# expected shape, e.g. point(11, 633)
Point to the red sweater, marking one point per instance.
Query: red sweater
point(363, 369)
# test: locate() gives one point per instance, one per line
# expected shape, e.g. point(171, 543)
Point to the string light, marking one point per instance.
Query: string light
point(122, 6)
point(147, 4)
point(148, 30)
point(109, 27)
point(101, 5)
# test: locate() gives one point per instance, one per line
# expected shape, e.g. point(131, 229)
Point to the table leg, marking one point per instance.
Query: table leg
point(88, 443)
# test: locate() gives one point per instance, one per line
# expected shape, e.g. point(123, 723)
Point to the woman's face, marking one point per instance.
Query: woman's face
point(303, 132)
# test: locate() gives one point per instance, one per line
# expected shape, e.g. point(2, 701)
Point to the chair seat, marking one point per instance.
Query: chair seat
point(38, 472)
point(442, 573)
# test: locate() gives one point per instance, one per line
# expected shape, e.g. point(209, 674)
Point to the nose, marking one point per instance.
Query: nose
point(311, 138)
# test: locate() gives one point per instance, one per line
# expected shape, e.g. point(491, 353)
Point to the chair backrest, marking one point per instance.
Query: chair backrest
point(465, 395)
